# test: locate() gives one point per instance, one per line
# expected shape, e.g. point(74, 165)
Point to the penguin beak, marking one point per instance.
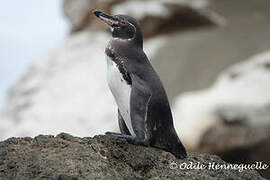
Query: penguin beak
point(109, 20)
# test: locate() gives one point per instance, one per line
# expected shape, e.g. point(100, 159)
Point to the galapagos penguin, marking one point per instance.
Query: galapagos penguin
point(144, 113)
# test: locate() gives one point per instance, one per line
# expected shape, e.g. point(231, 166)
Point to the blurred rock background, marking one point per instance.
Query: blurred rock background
point(211, 56)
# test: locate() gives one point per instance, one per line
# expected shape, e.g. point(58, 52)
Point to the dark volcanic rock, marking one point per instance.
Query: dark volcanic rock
point(102, 157)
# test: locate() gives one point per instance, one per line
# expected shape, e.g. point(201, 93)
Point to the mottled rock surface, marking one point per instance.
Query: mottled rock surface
point(156, 17)
point(102, 157)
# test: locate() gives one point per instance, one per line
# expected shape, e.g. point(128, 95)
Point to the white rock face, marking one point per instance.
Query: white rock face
point(240, 94)
point(65, 92)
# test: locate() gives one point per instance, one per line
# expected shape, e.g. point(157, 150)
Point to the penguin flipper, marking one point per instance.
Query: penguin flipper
point(122, 125)
point(139, 101)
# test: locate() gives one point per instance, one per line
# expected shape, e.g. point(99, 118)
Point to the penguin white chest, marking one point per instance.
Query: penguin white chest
point(121, 91)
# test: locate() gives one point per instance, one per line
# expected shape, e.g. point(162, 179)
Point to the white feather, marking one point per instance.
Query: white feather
point(121, 92)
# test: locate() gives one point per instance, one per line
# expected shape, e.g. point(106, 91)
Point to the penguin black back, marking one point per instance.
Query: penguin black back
point(144, 113)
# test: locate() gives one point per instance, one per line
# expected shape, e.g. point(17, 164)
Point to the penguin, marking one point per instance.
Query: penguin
point(144, 114)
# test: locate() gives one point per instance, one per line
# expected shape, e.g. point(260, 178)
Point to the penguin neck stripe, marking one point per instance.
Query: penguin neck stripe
point(134, 31)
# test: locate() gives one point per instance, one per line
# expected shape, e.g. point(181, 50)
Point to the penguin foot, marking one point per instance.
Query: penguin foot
point(127, 137)
point(112, 133)
point(130, 139)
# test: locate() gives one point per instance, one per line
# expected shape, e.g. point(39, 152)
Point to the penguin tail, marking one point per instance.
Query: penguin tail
point(174, 144)
point(178, 150)
point(170, 142)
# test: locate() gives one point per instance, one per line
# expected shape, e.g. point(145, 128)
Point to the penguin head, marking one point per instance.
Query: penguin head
point(122, 26)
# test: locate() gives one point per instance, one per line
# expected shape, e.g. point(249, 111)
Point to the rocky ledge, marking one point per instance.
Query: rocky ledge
point(103, 157)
